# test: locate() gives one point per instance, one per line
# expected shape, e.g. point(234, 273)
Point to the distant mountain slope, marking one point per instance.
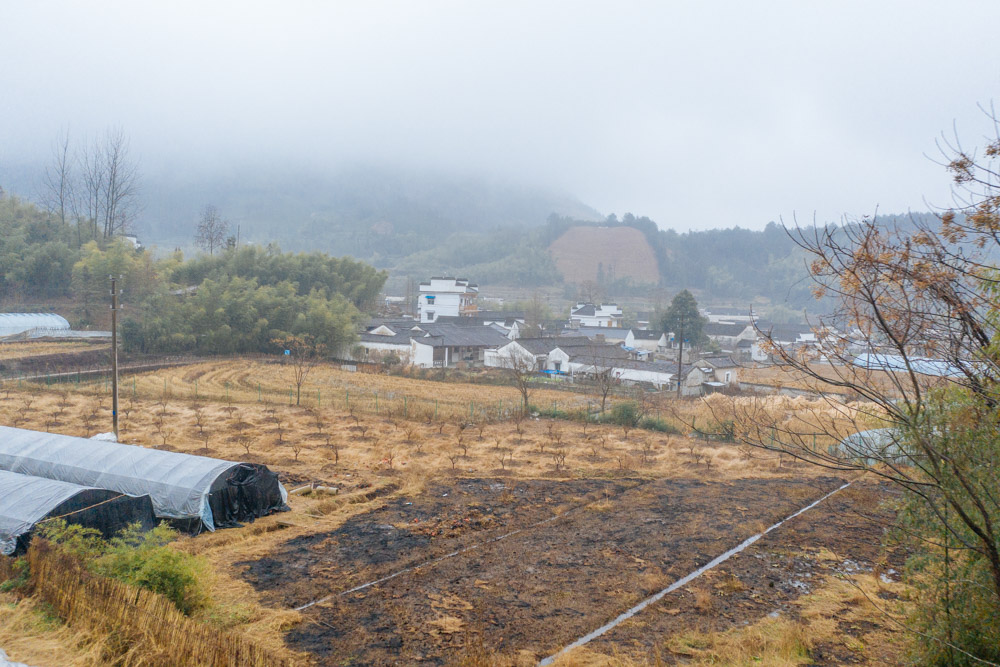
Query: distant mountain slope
point(605, 254)
point(371, 213)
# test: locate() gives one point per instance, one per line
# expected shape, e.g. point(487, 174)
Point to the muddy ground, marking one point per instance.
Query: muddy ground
point(607, 545)
point(842, 537)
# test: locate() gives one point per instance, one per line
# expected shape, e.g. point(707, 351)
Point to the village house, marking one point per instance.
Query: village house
point(646, 340)
point(427, 344)
point(450, 297)
point(590, 315)
point(709, 374)
point(729, 334)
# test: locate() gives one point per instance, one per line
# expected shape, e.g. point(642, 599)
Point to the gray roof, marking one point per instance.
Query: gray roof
point(597, 352)
point(542, 345)
point(719, 362)
point(453, 335)
point(724, 328)
point(655, 366)
point(609, 333)
point(400, 338)
point(646, 334)
point(784, 332)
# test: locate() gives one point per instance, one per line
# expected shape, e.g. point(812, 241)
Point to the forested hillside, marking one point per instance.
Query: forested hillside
point(241, 300)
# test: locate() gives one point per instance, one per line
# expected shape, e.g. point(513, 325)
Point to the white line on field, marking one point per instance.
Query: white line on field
point(586, 639)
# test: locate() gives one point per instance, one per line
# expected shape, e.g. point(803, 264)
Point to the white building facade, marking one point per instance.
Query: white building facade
point(449, 297)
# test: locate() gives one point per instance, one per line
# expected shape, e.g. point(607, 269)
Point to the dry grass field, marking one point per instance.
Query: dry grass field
point(562, 503)
point(22, 349)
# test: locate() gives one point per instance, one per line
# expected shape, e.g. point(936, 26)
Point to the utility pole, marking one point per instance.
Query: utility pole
point(680, 354)
point(114, 355)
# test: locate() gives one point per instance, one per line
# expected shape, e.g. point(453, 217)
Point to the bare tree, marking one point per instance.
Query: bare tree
point(303, 353)
point(121, 189)
point(212, 230)
point(111, 184)
point(58, 181)
point(915, 338)
point(602, 372)
point(519, 368)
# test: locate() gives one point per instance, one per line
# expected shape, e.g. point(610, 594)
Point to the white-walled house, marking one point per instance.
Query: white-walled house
point(645, 339)
point(590, 315)
point(449, 297)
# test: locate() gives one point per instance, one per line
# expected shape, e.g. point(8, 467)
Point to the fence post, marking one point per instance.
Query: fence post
point(376, 402)
point(319, 400)
point(227, 391)
point(258, 392)
point(471, 408)
point(196, 387)
point(435, 408)
point(347, 399)
point(405, 412)
point(290, 395)
point(133, 388)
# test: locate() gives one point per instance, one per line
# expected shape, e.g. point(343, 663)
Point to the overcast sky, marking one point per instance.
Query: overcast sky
point(697, 114)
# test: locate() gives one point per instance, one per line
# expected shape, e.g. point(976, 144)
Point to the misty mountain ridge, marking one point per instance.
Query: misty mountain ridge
point(372, 213)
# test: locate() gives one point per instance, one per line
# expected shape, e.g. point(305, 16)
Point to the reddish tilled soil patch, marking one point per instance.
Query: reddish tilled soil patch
point(535, 591)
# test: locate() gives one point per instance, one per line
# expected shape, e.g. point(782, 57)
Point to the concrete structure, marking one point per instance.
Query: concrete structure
point(590, 315)
point(450, 297)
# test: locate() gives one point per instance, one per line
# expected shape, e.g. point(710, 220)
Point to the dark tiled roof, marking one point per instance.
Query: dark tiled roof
point(719, 362)
point(539, 345)
point(784, 332)
point(724, 328)
point(453, 335)
point(602, 353)
point(401, 338)
point(609, 333)
point(647, 334)
point(585, 311)
point(655, 366)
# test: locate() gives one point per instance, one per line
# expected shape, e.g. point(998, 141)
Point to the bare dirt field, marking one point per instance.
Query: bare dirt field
point(503, 542)
point(617, 252)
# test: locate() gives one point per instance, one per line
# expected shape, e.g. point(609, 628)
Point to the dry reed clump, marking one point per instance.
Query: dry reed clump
point(779, 642)
point(137, 627)
point(30, 634)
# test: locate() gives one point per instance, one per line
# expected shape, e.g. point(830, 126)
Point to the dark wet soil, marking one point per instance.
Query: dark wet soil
point(612, 544)
point(770, 575)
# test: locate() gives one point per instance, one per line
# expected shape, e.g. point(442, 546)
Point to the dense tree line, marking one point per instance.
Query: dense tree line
point(239, 300)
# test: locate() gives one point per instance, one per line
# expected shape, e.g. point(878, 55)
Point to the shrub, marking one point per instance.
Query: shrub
point(624, 414)
point(143, 559)
point(661, 425)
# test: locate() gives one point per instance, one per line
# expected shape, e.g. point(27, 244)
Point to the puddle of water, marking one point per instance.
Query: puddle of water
point(586, 639)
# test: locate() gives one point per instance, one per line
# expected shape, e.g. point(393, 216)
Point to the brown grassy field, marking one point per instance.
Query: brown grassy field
point(388, 469)
point(22, 349)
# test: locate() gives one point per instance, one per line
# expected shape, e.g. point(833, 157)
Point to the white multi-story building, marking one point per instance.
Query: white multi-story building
point(589, 315)
point(449, 297)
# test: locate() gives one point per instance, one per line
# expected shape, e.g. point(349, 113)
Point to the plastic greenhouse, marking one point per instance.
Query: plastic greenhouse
point(15, 323)
point(26, 500)
point(193, 491)
point(880, 444)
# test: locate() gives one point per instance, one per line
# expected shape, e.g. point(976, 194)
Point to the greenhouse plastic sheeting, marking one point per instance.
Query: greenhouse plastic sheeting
point(179, 484)
point(880, 444)
point(27, 500)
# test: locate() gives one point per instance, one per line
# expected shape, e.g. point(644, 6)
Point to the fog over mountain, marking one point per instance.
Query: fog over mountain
point(698, 115)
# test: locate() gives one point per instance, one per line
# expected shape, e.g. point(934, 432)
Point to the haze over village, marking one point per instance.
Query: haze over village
point(492, 336)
